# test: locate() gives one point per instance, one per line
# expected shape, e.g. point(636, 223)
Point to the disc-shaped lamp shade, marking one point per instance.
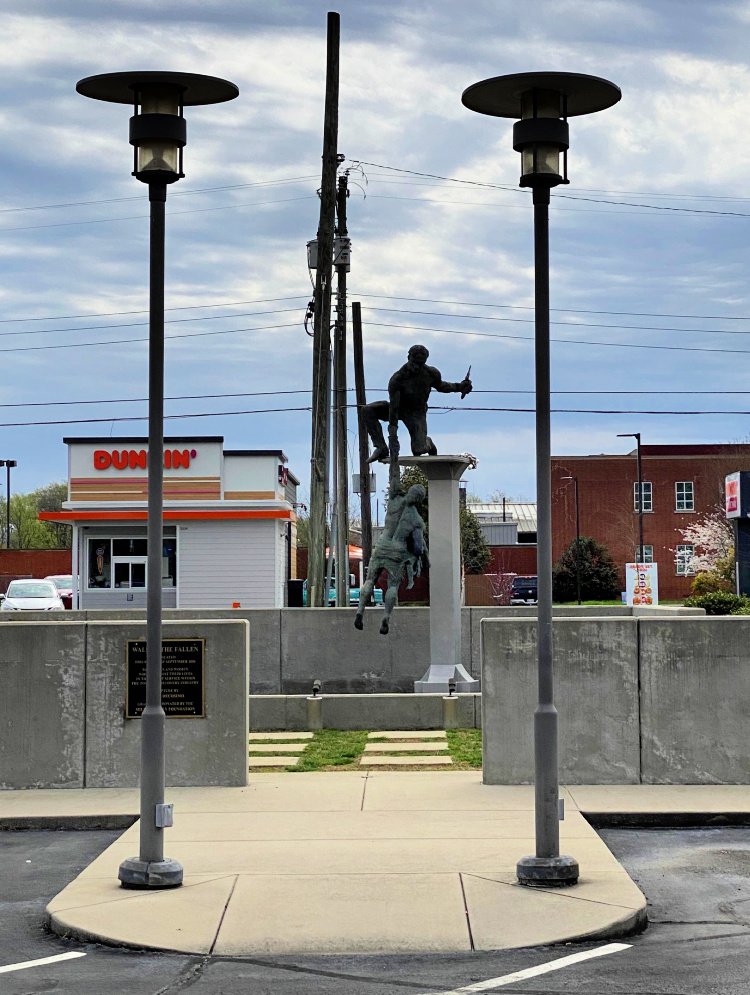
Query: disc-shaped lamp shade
point(542, 103)
point(157, 128)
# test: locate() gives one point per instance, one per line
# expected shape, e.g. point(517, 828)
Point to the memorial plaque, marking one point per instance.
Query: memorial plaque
point(182, 678)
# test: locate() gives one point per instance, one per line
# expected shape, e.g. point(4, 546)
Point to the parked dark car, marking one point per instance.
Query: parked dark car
point(523, 591)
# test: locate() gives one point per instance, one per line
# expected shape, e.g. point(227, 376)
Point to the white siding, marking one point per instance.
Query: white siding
point(223, 562)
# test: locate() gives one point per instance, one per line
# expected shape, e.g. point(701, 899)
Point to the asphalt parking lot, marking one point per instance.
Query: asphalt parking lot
point(698, 942)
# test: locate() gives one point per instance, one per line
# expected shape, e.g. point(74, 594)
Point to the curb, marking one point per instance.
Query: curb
point(665, 820)
point(66, 822)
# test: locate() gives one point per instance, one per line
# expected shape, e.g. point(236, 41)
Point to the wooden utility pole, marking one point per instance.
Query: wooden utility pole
point(322, 326)
point(364, 466)
point(341, 262)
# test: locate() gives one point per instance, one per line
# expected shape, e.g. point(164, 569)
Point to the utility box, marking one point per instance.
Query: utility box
point(357, 483)
point(312, 254)
point(342, 252)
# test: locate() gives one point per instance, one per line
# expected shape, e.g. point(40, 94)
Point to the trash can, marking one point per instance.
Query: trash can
point(294, 598)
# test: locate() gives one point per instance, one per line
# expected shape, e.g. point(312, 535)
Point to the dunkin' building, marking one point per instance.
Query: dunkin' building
point(229, 533)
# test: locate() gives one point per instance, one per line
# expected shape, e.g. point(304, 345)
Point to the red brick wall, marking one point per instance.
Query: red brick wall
point(32, 563)
point(605, 487)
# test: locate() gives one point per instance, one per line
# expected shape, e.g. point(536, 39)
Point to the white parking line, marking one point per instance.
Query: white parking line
point(533, 972)
point(38, 963)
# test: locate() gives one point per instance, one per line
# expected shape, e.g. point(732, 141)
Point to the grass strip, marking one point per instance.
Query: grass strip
point(466, 747)
point(333, 749)
point(341, 749)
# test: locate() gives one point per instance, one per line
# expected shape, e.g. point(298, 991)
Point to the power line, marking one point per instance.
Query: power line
point(140, 217)
point(141, 324)
point(592, 411)
point(557, 195)
point(168, 338)
point(377, 390)
point(131, 418)
point(174, 397)
point(182, 307)
point(587, 342)
point(391, 297)
point(569, 310)
point(179, 193)
point(443, 408)
point(570, 324)
point(376, 324)
point(441, 314)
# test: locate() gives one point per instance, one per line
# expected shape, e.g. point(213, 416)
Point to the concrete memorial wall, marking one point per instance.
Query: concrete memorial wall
point(651, 700)
point(62, 713)
point(695, 693)
point(596, 694)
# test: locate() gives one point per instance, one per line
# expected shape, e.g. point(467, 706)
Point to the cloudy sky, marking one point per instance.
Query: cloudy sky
point(648, 242)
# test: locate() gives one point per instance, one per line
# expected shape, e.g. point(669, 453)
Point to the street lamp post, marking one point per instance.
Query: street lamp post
point(7, 463)
point(543, 102)
point(578, 539)
point(637, 436)
point(158, 135)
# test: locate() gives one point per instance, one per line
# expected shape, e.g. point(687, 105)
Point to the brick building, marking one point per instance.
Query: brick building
point(681, 484)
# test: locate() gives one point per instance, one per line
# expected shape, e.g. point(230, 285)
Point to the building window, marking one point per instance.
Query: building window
point(647, 496)
point(684, 554)
point(121, 563)
point(684, 497)
point(100, 563)
point(648, 554)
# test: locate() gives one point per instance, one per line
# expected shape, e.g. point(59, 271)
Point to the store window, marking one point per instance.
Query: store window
point(648, 554)
point(100, 563)
point(684, 498)
point(648, 504)
point(121, 563)
point(683, 556)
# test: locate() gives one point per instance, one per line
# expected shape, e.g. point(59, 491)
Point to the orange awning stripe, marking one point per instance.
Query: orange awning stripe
point(169, 515)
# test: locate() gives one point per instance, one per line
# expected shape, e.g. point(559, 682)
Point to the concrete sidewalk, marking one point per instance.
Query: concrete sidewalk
point(386, 862)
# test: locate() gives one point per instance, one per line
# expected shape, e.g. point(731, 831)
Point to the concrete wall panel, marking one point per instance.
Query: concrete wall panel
point(324, 645)
point(695, 686)
point(596, 695)
point(42, 675)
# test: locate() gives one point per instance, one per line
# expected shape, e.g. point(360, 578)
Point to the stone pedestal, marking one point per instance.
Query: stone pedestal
point(443, 474)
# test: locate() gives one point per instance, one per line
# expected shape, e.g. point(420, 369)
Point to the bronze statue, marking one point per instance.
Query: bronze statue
point(401, 549)
point(408, 391)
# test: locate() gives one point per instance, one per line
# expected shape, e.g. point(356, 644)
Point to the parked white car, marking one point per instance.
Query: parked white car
point(31, 595)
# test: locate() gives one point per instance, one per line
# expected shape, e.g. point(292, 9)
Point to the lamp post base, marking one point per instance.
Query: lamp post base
point(547, 872)
point(137, 873)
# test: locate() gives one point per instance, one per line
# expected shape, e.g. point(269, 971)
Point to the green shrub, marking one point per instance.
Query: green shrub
point(718, 602)
point(710, 581)
point(744, 610)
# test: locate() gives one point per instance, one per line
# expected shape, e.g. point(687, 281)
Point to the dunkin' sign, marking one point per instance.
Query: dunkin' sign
point(137, 459)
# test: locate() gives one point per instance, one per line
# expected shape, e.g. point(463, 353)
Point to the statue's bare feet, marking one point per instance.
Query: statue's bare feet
point(384, 627)
point(358, 622)
point(381, 454)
